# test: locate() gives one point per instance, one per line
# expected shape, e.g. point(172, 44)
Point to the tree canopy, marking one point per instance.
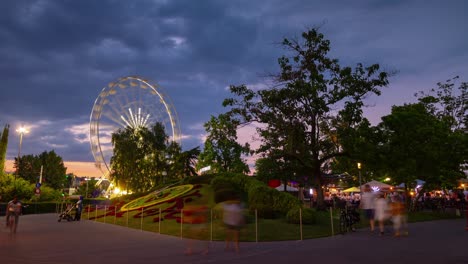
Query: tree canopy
point(222, 151)
point(53, 173)
point(3, 147)
point(145, 158)
point(315, 100)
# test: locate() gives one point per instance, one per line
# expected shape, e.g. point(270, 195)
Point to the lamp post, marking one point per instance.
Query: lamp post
point(22, 130)
point(360, 183)
point(86, 179)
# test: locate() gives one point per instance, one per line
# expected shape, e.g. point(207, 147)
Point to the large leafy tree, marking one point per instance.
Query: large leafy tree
point(315, 101)
point(449, 104)
point(30, 168)
point(222, 151)
point(139, 156)
point(145, 158)
point(419, 145)
point(3, 147)
point(54, 171)
point(188, 161)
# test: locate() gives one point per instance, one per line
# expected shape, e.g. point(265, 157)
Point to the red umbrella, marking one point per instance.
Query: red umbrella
point(274, 183)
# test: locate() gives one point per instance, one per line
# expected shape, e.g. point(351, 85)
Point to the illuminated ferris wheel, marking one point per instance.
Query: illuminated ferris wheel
point(128, 102)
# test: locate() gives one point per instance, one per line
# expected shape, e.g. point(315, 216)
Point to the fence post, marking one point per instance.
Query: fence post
point(115, 213)
point(256, 226)
point(466, 210)
point(181, 222)
point(95, 215)
point(128, 212)
point(105, 212)
point(159, 224)
point(141, 218)
point(300, 220)
point(331, 220)
point(211, 224)
point(89, 209)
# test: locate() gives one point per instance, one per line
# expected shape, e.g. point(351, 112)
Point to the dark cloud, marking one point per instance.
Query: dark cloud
point(56, 56)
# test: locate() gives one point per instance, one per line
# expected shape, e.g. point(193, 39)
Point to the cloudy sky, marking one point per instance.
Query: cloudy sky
point(56, 56)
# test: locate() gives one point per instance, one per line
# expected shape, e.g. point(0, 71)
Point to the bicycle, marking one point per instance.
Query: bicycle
point(348, 217)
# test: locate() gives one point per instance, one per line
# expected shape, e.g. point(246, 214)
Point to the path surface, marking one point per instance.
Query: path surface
point(41, 239)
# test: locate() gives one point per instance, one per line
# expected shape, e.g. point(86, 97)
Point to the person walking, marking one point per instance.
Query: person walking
point(367, 204)
point(233, 219)
point(381, 211)
point(13, 210)
point(79, 209)
point(397, 214)
point(197, 217)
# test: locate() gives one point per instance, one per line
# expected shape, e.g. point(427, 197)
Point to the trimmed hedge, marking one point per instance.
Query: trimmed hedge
point(309, 216)
point(39, 208)
point(269, 203)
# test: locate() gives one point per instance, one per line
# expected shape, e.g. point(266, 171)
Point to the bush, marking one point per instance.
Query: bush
point(268, 202)
point(203, 179)
point(39, 208)
point(225, 189)
point(309, 216)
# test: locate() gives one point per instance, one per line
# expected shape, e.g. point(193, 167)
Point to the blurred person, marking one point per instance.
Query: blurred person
point(367, 204)
point(381, 211)
point(397, 214)
point(13, 210)
point(79, 209)
point(233, 219)
point(197, 217)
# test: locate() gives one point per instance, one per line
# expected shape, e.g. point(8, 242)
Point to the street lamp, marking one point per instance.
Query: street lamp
point(360, 183)
point(22, 130)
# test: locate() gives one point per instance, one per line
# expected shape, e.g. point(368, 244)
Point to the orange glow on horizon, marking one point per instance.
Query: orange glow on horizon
point(78, 168)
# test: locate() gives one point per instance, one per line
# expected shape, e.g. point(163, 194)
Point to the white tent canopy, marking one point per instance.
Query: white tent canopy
point(288, 188)
point(418, 183)
point(376, 185)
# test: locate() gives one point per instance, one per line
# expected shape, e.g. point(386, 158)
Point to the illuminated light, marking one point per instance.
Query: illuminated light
point(375, 188)
point(387, 179)
point(207, 168)
point(311, 191)
point(117, 191)
point(411, 193)
point(136, 120)
point(359, 165)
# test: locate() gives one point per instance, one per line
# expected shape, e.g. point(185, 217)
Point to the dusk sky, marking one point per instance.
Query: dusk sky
point(56, 56)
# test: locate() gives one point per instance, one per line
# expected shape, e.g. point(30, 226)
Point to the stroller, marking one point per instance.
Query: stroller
point(67, 214)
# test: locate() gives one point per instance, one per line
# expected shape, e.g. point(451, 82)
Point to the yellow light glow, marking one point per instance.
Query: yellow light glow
point(359, 165)
point(116, 190)
point(411, 193)
point(387, 179)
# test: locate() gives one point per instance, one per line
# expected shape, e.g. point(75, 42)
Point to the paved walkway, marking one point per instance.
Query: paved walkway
point(41, 239)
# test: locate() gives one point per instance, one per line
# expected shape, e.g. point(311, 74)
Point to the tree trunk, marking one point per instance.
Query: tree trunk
point(301, 194)
point(318, 186)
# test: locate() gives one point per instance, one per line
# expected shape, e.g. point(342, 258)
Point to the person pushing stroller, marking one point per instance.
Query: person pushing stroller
point(79, 209)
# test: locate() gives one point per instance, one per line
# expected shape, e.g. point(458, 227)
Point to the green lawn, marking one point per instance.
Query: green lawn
point(255, 229)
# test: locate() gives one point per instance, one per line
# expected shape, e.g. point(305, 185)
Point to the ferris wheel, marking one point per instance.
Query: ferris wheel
point(128, 102)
